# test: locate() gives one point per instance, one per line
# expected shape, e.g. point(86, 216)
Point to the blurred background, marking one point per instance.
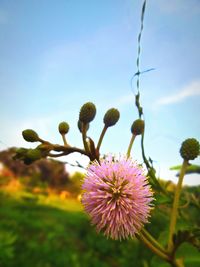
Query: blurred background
point(57, 55)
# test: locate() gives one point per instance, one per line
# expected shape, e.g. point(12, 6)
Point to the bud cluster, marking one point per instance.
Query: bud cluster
point(86, 116)
point(189, 150)
point(28, 155)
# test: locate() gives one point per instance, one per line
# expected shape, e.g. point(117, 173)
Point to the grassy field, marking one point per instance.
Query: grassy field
point(42, 231)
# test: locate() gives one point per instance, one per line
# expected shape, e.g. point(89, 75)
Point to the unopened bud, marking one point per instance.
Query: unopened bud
point(111, 117)
point(63, 127)
point(87, 112)
point(45, 149)
point(80, 126)
point(30, 136)
point(20, 153)
point(32, 155)
point(137, 127)
point(190, 149)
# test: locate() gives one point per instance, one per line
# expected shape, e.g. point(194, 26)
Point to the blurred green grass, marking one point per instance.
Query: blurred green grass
point(40, 235)
point(45, 231)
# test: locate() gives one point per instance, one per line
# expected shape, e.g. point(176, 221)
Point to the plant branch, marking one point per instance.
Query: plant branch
point(67, 150)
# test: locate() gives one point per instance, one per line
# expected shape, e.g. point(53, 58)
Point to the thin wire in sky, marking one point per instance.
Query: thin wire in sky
point(138, 72)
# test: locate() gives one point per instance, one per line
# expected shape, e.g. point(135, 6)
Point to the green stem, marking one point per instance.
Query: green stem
point(175, 205)
point(149, 168)
point(143, 153)
point(153, 240)
point(101, 137)
point(84, 130)
point(153, 248)
point(43, 141)
point(64, 140)
point(130, 145)
point(156, 248)
point(177, 263)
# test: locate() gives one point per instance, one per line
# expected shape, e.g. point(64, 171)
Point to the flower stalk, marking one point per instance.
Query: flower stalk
point(175, 205)
point(101, 137)
point(153, 248)
point(157, 249)
point(130, 145)
point(154, 242)
point(64, 140)
point(84, 130)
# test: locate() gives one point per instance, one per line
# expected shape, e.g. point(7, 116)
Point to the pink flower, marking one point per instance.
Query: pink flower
point(117, 197)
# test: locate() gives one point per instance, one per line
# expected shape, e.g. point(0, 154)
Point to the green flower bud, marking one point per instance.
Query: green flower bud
point(111, 117)
point(20, 153)
point(30, 135)
point(32, 155)
point(44, 149)
point(137, 127)
point(63, 127)
point(87, 112)
point(80, 126)
point(190, 149)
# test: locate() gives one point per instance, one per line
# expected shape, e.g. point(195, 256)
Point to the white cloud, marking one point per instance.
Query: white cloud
point(192, 89)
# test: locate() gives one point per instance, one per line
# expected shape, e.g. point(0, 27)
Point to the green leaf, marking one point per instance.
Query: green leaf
point(190, 169)
point(190, 254)
point(163, 199)
point(189, 236)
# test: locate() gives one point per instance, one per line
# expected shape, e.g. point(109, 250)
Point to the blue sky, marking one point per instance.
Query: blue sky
point(57, 55)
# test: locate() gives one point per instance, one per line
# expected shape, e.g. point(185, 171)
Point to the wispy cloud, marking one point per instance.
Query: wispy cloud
point(192, 89)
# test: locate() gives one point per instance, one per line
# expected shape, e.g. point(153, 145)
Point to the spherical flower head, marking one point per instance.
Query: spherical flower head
point(117, 197)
